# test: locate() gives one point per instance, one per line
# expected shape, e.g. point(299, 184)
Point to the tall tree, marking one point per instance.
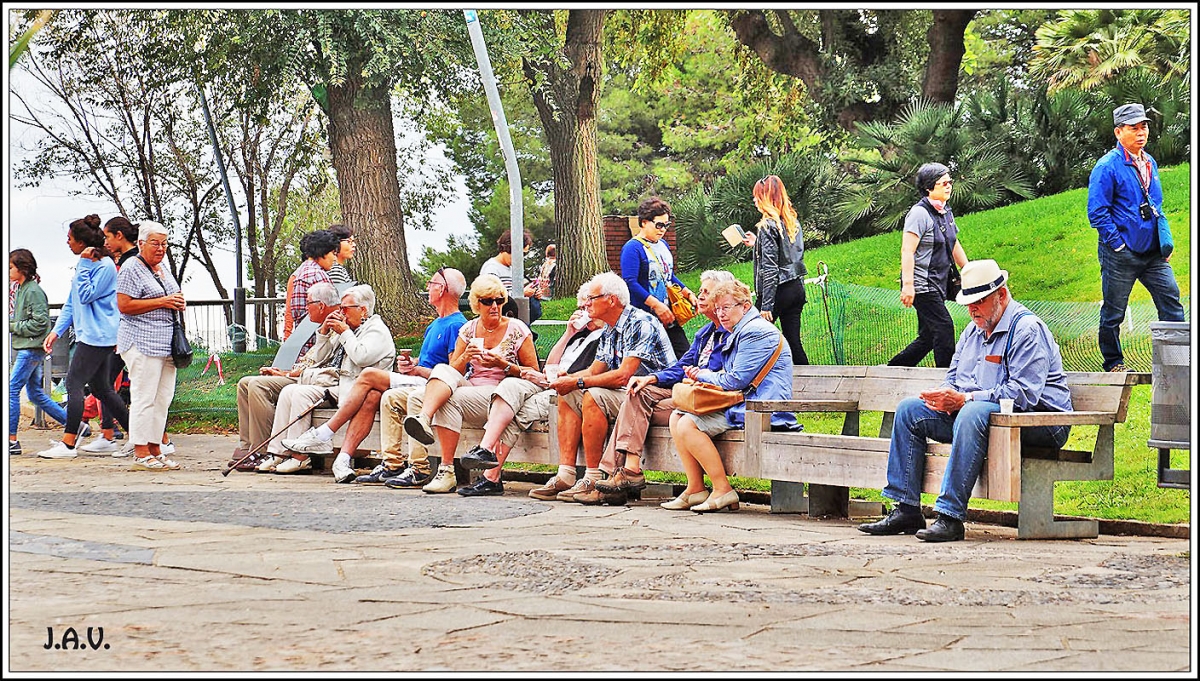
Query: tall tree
point(852, 61)
point(566, 89)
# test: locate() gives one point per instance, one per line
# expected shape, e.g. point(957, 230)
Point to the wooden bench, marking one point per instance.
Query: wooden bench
point(831, 464)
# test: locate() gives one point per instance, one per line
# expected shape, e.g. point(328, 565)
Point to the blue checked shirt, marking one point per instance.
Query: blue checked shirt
point(636, 334)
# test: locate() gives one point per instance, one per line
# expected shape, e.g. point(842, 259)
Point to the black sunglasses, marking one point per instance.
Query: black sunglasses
point(488, 302)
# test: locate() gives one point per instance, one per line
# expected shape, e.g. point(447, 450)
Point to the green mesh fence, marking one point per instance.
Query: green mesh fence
point(860, 325)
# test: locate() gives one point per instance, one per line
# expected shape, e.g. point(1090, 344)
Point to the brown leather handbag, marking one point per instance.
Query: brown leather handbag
point(705, 398)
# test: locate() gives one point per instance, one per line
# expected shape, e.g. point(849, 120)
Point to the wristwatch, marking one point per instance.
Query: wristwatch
point(580, 383)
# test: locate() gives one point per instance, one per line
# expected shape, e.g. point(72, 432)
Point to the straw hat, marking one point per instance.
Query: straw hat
point(980, 278)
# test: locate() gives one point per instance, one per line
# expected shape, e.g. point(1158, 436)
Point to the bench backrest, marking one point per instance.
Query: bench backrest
point(880, 388)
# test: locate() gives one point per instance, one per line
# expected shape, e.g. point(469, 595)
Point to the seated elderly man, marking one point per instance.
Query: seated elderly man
point(633, 343)
point(648, 401)
point(258, 395)
point(359, 406)
point(357, 338)
point(1007, 354)
point(518, 403)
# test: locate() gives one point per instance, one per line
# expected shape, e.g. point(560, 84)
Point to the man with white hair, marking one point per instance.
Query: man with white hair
point(359, 406)
point(1007, 353)
point(258, 395)
point(358, 338)
point(634, 343)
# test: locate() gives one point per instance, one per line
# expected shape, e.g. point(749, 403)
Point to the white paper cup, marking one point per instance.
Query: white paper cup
point(551, 372)
point(477, 342)
point(1006, 406)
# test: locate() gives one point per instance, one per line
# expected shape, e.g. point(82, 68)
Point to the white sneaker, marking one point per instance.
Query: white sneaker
point(58, 451)
point(167, 449)
point(100, 445)
point(343, 471)
point(309, 443)
point(167, 463)
point(443, 482)
point(124, 451)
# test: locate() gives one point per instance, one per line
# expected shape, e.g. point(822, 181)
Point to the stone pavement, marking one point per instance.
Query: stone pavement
point(191, 571)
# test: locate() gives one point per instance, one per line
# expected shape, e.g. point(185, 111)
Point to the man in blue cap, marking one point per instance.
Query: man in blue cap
point(1124, 205)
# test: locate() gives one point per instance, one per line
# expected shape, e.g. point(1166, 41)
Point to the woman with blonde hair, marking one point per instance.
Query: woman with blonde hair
point(779, 261)
point(489, 348)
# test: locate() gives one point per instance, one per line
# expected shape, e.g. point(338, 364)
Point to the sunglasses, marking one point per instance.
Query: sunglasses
point(488, 302)
point(663, 225)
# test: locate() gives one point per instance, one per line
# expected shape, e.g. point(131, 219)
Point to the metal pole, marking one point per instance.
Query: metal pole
point(516, 205)
point(239, 291)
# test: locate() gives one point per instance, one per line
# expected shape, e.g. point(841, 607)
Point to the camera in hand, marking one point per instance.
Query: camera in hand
point(1146, 211)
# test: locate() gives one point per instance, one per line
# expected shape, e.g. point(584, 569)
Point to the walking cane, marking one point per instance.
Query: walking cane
point(326, 397)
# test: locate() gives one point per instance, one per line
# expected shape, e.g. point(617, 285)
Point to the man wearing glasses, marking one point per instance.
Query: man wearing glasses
point(634, 343)
point(395, 394)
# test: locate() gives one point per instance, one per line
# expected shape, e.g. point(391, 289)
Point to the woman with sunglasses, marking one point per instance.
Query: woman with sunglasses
point(929, 247)
point(779, 262)
point(489, 348)
point(648, 267)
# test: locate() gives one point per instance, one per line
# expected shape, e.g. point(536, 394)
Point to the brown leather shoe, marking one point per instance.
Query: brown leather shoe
point(581, 485)
point(622, 479)
point(550, 490)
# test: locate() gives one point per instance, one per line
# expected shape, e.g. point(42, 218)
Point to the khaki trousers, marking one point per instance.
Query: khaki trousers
point(256, 400)
point(293, 401)
point(151, 389)
point(651, 405)
point(394, 405)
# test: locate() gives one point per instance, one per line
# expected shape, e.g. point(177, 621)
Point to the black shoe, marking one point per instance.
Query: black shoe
point(409, 479)
point(478, 459)
point(378, 476)
point(944, 528)
point(85, 430)
point(897, 522)
point(482, 488)
point(14, 448)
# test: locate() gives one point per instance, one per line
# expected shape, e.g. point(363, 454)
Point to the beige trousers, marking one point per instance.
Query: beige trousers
point(256, 400)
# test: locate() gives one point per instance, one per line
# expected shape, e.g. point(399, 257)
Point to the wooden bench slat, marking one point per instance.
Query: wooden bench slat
point(805, 404)
point(1055, 418)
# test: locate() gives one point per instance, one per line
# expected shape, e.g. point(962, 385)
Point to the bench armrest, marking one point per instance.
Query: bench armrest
point(801, 405)
point(1055, 418)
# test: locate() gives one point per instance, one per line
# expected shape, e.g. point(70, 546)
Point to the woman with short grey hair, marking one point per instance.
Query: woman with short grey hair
point(148, 298)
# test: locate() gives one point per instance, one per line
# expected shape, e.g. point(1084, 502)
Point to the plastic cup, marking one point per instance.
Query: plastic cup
point(1006, 406)
point(551, 371)
point(404, 352)
point(477, 342)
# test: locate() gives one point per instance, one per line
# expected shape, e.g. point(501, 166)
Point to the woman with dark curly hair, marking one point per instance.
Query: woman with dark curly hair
point(91, 309)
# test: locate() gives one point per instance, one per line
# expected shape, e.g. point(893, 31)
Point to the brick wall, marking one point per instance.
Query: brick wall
point(618, 229)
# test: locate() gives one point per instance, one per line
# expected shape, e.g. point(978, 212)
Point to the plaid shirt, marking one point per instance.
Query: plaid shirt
point(150, 332)
point(307, 274)
point(636, 334)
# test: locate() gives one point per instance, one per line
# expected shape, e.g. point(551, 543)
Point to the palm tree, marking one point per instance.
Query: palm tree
point(1088, 48)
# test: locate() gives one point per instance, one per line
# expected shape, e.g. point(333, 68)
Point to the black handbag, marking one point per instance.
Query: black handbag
point(181, 349)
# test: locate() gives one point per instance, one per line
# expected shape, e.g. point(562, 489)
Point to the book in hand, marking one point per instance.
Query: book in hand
point(734, 234)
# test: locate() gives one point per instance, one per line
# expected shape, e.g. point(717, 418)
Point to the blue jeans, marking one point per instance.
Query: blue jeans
point(967, 433)
point(1118, 272)
point(27, 374)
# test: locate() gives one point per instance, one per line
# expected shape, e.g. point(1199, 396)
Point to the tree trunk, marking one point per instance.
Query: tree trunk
point(566, 103)
point(946, 50)
point(363, 145)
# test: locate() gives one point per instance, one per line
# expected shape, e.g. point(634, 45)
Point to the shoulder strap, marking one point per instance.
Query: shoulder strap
point(1012, 328)
point(662, 267)
point(762, 374)
point(174, 314)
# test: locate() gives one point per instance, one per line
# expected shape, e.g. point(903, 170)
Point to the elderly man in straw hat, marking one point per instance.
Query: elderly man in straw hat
point(1008, 353)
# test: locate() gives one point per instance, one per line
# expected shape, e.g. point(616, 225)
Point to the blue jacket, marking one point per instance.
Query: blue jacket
point(674, 373)
point(635, 270)
point(1114, 194)
point(747, 349)
point(91, 306)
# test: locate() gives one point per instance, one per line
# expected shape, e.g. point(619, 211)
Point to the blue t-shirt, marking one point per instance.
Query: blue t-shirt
point(439, 341)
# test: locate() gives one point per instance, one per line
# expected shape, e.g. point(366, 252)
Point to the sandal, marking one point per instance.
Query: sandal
point(250, 463)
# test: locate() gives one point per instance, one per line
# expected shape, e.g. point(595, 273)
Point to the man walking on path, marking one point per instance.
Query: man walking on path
point(1124, 205)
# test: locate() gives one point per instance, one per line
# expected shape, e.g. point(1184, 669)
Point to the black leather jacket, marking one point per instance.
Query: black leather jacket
point(776, 261)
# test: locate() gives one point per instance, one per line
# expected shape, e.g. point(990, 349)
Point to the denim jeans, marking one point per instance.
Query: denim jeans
point(1118, 271)
point(967, 433)
point(27, 374)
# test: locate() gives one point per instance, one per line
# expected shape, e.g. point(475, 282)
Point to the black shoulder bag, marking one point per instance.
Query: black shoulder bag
point(181, 349)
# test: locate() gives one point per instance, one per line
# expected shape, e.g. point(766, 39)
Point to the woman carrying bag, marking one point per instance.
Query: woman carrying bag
point(648, 268)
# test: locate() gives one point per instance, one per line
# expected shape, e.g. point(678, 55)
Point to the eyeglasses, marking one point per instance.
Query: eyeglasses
point(344, 308)
point(155, 244)
point(726, 309)
point(443, 283)
point(349, 238)
point(945, 183)
point(592, 299)
point(488, 302)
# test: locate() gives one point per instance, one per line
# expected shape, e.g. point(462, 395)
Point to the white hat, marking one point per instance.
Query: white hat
point(979, 279)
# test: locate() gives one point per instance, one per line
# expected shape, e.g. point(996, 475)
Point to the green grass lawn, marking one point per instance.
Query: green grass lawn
point(1049, 250)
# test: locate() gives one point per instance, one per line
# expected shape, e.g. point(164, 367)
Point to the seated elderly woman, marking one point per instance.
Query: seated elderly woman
point(489, 347)
point(518, 403)
point(753, 344)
